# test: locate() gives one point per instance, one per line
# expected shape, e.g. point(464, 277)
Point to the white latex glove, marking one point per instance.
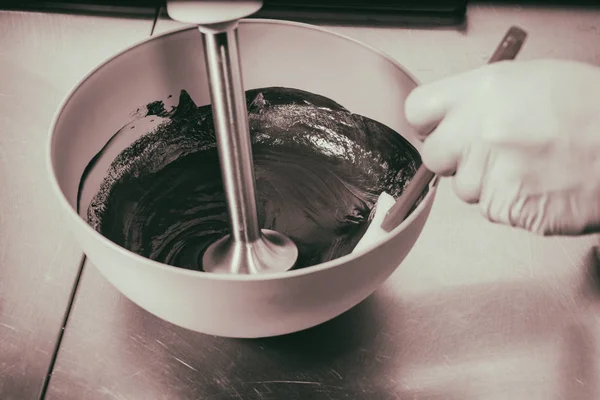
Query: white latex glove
point(522, 139)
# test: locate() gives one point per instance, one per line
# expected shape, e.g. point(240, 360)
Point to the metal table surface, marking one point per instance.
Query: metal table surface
point(476, 311)
point(41, 58)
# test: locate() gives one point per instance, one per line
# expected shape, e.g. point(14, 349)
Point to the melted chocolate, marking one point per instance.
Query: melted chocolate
point(319, 170)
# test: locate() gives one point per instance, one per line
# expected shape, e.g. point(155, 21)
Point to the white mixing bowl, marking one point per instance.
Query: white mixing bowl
point(273, 53)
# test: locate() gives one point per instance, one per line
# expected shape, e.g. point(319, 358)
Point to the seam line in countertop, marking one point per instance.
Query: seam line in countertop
point(65, 321)
point(61, 332)
point(156, 14)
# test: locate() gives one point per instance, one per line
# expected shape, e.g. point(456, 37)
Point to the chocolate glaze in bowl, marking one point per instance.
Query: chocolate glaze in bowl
point(319, 169)
point(274, 54)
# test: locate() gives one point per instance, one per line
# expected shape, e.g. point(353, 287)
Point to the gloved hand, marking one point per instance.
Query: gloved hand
point(522, 139)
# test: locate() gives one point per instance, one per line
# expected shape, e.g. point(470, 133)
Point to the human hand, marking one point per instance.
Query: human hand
point(522, 139)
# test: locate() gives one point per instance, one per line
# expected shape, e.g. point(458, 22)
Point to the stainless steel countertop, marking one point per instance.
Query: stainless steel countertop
point(476, 311)
point(41, 58)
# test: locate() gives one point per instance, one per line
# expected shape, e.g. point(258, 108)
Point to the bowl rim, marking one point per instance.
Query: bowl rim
point(73, 214)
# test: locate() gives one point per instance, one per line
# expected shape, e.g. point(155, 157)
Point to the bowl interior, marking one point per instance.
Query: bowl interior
point(115, 104)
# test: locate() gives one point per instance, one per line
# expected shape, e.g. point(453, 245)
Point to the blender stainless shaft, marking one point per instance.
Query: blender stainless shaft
point(233, 135)
point(248, 249)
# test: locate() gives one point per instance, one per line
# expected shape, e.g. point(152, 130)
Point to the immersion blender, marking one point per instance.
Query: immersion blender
point(247, 249)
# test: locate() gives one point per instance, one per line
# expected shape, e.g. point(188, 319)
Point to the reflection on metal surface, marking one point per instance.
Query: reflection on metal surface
point(525, 338)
